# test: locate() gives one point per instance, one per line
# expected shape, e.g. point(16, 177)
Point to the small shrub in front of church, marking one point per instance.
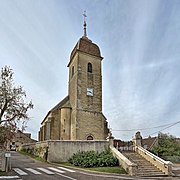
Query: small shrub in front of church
point(93, 159)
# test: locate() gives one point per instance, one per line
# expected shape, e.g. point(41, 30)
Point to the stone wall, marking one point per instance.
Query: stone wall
point(2, 160)
point(2, 157)
point(61, 151)
point(65, 124)
point(94, 124)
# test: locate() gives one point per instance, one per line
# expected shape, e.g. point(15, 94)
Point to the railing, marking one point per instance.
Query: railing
point(165, 166)
point(129, 167)
point(125, 148)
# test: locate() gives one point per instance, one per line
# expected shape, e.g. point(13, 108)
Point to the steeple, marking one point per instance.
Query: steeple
point(85, 45)
point(85, 33)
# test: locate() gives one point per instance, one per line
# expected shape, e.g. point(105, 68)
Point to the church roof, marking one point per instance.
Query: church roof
point(62, 104)
point(87, 46)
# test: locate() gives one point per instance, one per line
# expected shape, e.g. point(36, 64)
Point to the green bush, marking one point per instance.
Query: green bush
point(28, 150)
point(167, 146)
point(93, 159)
point(174, 159)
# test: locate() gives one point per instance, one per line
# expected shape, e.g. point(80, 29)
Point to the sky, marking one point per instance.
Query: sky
point(139, 41)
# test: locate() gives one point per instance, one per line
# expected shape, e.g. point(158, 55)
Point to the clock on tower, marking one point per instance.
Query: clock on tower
point(89, 91)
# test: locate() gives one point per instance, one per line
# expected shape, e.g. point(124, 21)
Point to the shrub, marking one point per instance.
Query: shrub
point(93, 159)
point(23, 150)
point(174, 159)
point(167, 146)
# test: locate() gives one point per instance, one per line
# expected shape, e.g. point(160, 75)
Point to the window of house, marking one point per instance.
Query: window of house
point(89, 67)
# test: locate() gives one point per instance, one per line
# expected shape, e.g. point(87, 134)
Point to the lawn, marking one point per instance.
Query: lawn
point(3, 173)
point(115, 169)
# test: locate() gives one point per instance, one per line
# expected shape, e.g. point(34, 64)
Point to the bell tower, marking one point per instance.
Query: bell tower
point(85, 90)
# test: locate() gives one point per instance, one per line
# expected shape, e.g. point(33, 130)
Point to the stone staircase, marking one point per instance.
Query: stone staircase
point(145, 168)
point(176, 170)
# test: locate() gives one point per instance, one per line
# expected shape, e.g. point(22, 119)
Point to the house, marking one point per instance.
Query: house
point(19, 138)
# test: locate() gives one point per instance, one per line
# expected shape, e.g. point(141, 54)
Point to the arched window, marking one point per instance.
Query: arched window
point(89, 137)
point(72, 71)
point(89, 67)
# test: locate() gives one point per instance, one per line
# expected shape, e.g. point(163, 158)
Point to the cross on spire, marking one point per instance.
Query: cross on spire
point(84, 14)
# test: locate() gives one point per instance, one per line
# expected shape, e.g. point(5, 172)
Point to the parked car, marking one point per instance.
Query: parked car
point(13, 147)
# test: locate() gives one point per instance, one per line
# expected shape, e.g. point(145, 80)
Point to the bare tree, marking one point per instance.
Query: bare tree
point(13, 108)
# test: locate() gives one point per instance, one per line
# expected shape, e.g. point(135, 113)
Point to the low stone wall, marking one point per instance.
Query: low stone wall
point(2, 160)
point(61, 151)
point(38, 149)
point(2, 157)
point(41, 149)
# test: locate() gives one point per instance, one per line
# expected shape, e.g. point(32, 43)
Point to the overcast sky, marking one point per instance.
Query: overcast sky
point(140, 43)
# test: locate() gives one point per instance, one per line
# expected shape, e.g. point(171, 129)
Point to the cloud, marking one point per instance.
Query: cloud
point(139, 41)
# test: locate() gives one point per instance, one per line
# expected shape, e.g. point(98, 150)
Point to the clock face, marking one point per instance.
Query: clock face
point(89, 91)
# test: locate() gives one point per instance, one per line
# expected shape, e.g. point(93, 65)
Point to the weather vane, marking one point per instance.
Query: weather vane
point(84, 14)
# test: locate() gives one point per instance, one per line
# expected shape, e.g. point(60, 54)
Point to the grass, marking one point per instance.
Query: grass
point(32, 156)
point(115, 169)
point(3, 173)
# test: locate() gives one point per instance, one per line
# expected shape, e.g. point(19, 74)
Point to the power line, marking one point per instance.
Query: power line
point(165, 125)
point(165, 128)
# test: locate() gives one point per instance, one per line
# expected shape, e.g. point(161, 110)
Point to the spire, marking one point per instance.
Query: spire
point(84, 14)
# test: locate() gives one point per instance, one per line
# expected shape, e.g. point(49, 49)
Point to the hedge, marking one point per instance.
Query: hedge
point(93, 159)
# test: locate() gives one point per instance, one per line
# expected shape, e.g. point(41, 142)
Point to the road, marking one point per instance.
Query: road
point(26, 168)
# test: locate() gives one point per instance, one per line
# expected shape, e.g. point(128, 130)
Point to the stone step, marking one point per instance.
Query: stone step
point(145, 168)
point(151, 175)
point(144, 162)
point(146, 165)
point(154, 173)
point(148, 170)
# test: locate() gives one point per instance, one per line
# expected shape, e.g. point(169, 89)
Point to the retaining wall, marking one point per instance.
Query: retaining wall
point(61, 151)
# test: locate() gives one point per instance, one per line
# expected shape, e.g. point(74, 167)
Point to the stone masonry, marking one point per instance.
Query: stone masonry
point(79, 115)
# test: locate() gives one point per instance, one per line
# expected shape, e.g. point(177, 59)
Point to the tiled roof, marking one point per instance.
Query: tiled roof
point(85, 45)
point(63, 103)
point(149, 142)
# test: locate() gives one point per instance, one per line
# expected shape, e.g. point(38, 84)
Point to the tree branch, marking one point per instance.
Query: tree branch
point(3, 110)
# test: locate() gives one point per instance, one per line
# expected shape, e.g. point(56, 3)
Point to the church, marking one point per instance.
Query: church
point(79, 115)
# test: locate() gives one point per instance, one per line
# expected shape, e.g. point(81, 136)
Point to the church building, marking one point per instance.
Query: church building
point(79, 115)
